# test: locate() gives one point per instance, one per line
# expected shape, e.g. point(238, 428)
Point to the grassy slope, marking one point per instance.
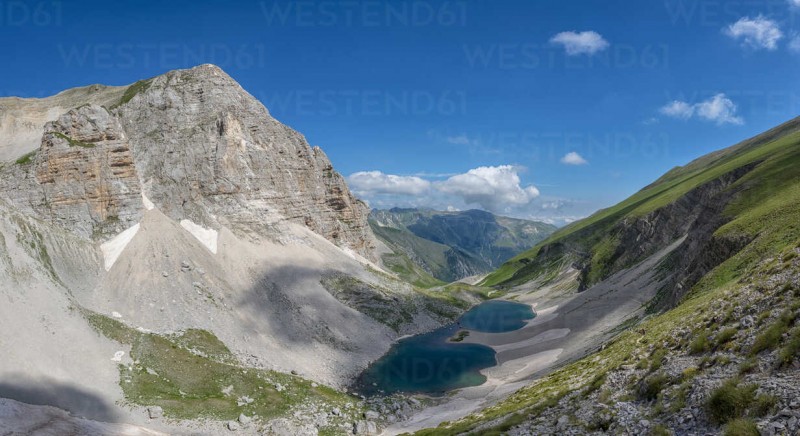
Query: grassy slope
point(591, 233)
point(194, 375)
point(768, 210)
point(431, 254)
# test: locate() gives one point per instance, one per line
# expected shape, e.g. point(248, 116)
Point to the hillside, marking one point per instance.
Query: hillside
point(711, 250)
point(452, 245)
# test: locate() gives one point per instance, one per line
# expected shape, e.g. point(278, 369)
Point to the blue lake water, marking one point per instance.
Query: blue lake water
point(431, 364)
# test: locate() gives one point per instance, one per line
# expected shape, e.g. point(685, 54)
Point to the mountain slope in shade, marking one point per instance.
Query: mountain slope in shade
point(454, 245)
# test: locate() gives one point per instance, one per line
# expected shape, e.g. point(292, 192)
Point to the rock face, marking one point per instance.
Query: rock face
point(86, 172)
point(200, 148)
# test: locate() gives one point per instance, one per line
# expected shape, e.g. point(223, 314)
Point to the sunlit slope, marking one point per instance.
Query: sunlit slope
point(745, 182)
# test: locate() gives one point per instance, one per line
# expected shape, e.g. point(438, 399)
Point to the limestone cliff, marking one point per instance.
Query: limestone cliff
point(200, 148)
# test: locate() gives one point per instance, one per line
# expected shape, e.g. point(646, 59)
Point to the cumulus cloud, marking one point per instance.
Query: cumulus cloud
point(376, 182)
point(493, 188)
point(719, 109)
point(795, 3)
point(756, 33)
point(678, 109)
point(573, 158)
point(578, 43)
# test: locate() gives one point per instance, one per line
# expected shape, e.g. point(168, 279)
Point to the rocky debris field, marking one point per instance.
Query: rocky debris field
point(733, 368)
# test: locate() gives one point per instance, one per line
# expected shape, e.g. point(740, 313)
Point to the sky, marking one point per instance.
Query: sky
point(537, 109)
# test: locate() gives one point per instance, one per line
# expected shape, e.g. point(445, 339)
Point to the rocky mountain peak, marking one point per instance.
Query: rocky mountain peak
point(199, 147)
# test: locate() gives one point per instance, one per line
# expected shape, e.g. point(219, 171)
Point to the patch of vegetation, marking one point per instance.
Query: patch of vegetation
point(730, 401)
point(657, 359)
point(460, 336)
point(651, 386)
point(660, 430)
point(132, 90)
point(724, 336)
point(771, 336)
point(172, 372)
point(596, 383)
point(741, 427)
point(507, 424)
point(205, 344)
point(690, 373)
point(748, 366)
point(790, 350)
point(374, 301)
point(700, 343)
point(763, 405)
point(73, 142)
point(26, 159)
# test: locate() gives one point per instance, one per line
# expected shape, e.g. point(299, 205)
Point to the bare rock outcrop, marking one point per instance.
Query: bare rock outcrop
point(208, 151)
point(86, 172)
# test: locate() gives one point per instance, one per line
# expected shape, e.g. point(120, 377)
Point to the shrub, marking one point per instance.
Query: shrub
point(741, 427)
point(660, 430)
point(595, 384)
point(748, 366)
point(789, 351)
point(725, 336)
point(763, 405)
point(700, 344)
point(690, 373)
point(729, 401)
point(771, 337)
point(651, 386)
point(657, 359)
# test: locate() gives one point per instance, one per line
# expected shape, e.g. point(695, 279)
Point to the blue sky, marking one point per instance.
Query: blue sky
point(538, 109)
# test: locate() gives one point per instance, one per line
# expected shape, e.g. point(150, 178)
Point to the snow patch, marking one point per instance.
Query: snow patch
point(118, 356)
point(207, 237)
point(113, 248)
point(147, 203)
point(116, 315)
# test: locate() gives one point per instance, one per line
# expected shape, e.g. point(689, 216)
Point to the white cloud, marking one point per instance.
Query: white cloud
point(459, 140)
point(719, 109)
point(578, 43)
point(493, 188)
point(756, 33)
point(678, 109)
point(795, 3)
point(376, 182)
point(573, 158)
point(794, 44)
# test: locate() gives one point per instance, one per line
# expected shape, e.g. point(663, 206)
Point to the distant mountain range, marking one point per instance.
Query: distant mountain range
point(429, 246)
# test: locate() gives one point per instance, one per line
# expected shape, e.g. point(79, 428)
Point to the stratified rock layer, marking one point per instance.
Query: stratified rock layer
point(86, 171)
